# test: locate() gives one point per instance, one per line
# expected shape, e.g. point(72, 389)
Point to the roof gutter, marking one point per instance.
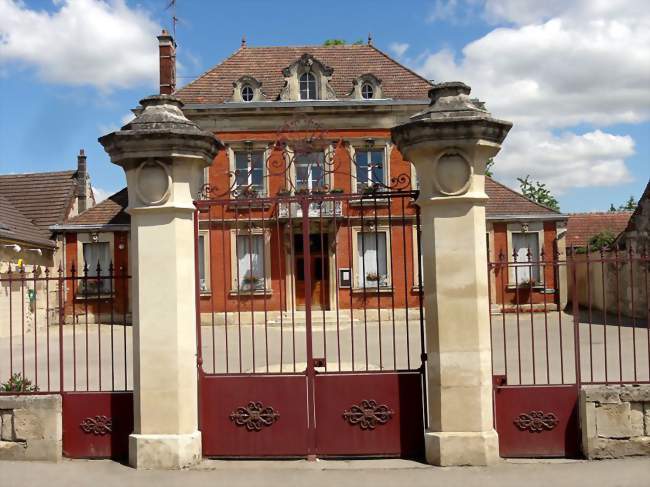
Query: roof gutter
point(90, 227)
point(303, 103)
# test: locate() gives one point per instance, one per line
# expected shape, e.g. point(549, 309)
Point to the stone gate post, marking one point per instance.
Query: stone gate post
point(449, 144)
point(163, 155)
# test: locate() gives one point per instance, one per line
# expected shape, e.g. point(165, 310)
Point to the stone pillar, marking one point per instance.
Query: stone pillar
point(163, 155)
point(449, 144)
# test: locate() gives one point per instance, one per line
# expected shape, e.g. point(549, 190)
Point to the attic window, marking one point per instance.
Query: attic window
point(307, 86)
point(247, 93)
point(367, 91)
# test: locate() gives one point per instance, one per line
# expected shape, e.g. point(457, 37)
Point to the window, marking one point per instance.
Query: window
point(526, 271)
point(249, 170)
point(367, 91)
point(203, 274)
point(372, 262)
point(247, 93)
point(93, 254)
point(310, 173)
point(251, 274)
point(370, 168)
point(308, 87)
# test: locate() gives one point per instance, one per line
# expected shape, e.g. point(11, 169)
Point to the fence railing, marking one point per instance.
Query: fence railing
point(580, 320)
point(65, 330)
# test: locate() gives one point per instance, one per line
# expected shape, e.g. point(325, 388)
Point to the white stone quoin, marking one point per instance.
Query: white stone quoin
point(449, 144)
point(163, 155)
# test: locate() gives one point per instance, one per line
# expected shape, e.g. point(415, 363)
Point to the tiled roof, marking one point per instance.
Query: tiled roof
point(111, 211)
point(505, 201)
point(643, 207)
point(44, 198)
point(266, 64)
point(582, 226)
point(17, 227)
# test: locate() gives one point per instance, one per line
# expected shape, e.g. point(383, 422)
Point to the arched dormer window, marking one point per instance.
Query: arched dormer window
point(308, 86)
point(366, 87)
point(247, 89)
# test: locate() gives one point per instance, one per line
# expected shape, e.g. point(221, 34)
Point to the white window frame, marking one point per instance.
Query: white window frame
point(232, 163)
point(535, 228)
point(234, 261)
point(372, 88)
point(87, 238)
point(357, 266)
point(316, 87)
point(291, 160)
point(206, 288)
point(353, 148)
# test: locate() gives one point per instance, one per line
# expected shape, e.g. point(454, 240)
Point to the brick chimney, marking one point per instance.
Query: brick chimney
point(167, 57)
point(82, 182)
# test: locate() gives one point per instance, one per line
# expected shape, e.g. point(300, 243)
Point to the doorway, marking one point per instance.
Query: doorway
point(319, 270)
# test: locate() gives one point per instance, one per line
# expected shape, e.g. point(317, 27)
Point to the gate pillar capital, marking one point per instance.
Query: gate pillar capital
point(163, 155)
point(449, 144)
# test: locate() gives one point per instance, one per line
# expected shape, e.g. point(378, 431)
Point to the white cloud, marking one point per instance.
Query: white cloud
point(398, 48)
point(557, 67)
point(100, 194)
point(101, 43)
point(567, 160)
point(127, 118)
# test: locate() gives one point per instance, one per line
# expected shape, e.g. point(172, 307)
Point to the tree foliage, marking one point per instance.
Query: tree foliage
point(538, 192)
point(602, 240)
point(488, 167)
point(341, 42)
point(629, 205)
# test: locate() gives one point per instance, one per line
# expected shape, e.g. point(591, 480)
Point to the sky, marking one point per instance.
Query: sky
point(573, 76)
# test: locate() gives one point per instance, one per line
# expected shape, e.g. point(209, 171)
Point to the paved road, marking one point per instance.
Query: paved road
point(539, 349)
point(376, 473)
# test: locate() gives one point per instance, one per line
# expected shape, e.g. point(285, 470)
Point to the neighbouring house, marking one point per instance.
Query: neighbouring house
point(30, 204)
point(614, 279)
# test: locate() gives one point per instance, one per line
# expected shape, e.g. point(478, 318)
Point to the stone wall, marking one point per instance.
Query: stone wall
point(615, 421)
point(31, 427)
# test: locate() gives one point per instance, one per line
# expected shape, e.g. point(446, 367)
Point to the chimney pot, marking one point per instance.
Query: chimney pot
point(82, 181)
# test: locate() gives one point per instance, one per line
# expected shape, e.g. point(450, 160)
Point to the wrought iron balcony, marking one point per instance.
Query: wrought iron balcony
point(317, 209)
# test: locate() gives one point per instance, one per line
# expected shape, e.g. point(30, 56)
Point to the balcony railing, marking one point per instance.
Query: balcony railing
point(317, 209)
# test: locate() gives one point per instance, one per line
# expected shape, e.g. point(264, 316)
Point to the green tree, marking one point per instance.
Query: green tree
point(629, 205)
point(538, 192)
point(334, 42)
point(601, 240)
point(488, 167)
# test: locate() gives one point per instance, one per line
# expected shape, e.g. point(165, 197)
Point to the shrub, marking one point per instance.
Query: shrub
point(18, 383)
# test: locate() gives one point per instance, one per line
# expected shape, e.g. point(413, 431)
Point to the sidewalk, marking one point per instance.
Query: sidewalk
point(633, 472)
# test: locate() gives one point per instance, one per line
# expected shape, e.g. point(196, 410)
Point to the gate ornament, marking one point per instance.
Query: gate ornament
point(368, 414)
point(98, 426)
point(254, 416)
point(536, 421)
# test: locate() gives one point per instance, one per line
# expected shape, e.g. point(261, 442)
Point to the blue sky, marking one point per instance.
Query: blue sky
point(573, 76)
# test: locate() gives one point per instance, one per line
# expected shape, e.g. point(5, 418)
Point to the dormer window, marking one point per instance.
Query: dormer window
point(367, 91)
point(247, 93)
point(308, 86)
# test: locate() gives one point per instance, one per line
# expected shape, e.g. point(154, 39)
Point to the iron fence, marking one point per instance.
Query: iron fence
point(583, 319)
point(65, 330)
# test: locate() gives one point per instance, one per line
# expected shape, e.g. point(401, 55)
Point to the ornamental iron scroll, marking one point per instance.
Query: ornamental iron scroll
point(536, 421)
point(98, 426)
point(254, 416)
point(368, 414)
point(303, 142)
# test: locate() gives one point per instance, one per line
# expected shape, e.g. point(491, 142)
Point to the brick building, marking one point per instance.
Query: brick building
point(314, 119)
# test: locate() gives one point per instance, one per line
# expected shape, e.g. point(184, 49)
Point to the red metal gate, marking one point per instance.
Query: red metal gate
point(69, 333)
point(310, 325)
point(558, 324)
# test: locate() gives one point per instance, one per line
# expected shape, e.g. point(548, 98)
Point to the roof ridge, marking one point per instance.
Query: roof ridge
point(523, 196)
point(372, 46)
point(45, 173)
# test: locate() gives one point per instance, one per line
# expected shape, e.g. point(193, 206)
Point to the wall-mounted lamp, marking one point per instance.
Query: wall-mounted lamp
point(15, 247)
point(370, 143)
point(524, 227)
point(94, 237)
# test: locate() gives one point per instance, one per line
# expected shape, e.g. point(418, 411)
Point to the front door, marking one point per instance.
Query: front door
point(319, 270)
